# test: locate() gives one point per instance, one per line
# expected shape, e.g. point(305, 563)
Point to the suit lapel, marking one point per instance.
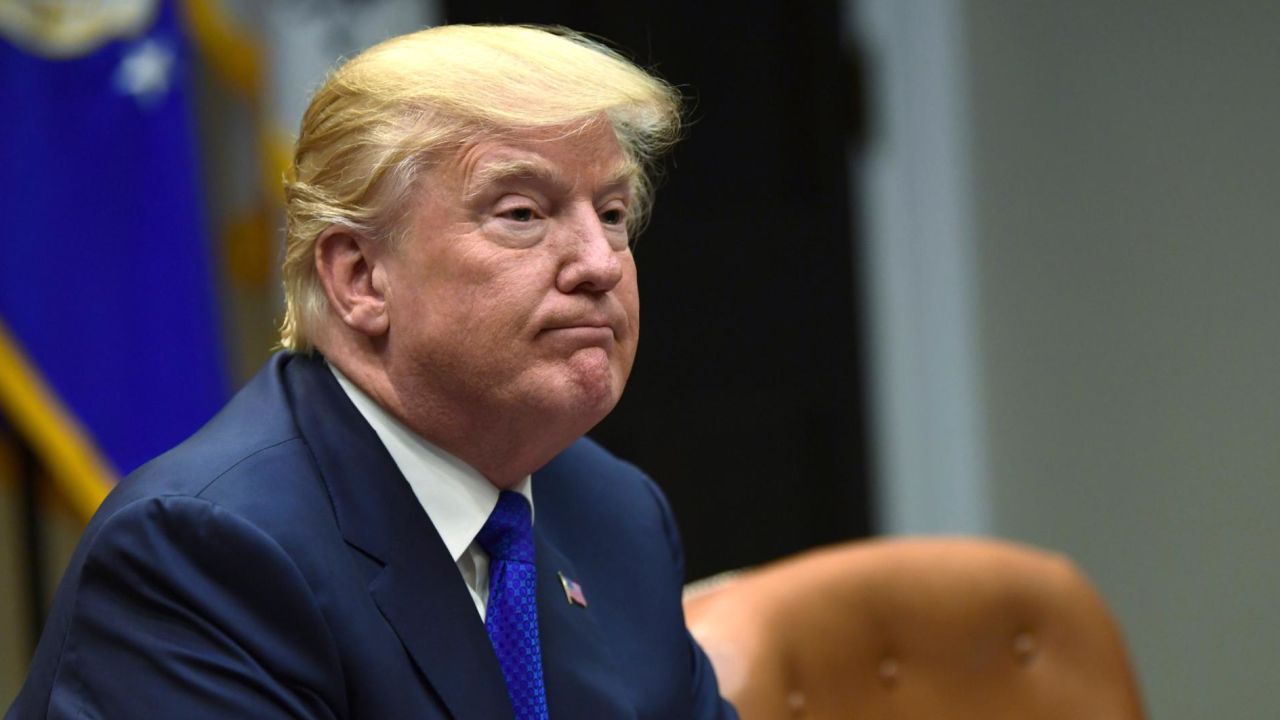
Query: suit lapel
point(418, 590)
point(442, 632)
point(580, 673)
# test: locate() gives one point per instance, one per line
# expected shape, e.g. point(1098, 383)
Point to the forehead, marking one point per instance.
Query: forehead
point(568, 157)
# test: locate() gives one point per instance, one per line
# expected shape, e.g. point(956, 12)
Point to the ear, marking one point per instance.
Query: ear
point(353, 280)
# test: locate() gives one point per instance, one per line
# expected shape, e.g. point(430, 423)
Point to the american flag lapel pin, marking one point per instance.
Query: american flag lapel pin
point(572, 591)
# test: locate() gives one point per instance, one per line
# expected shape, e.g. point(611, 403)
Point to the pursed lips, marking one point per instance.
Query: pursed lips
point(595, 326)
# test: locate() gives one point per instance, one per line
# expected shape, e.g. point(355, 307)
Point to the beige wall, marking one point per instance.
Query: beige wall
point(1072, 245)
point(1126, 179)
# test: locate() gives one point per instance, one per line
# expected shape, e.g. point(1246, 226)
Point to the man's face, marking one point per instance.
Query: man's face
point(514, 294)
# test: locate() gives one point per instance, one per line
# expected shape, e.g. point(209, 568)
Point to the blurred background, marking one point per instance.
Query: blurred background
point(998, 267)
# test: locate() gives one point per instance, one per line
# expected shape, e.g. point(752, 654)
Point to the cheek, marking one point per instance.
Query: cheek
point(628, 293)
point(495, 313)
point(480, 292)
point(436, 313)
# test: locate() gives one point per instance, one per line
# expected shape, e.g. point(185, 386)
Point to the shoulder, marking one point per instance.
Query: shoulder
point(240, 493)
point(250, 457)
point(270, 485)
point(215, 551)
point(588, 496)
point(586, 474)
point(243, 490)
point(586, 469)
point(180, 583)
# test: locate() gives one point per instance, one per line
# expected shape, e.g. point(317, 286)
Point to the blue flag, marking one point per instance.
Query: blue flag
point(108, 328)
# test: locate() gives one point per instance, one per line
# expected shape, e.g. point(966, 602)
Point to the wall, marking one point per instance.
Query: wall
point(1127, 170)
point(1121, 174)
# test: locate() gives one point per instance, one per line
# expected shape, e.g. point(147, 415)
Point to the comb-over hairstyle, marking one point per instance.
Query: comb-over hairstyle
point(395, 109)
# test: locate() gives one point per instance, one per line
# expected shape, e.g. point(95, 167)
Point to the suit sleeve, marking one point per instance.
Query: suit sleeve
point(184, 609)
point(707, 701)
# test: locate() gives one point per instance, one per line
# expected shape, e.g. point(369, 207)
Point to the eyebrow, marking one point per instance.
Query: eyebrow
point(494, 173)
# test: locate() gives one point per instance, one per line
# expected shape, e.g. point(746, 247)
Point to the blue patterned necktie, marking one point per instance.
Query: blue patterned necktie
point(512, 613)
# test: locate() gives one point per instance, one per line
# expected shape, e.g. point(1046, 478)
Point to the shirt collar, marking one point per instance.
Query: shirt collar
point(455, 496)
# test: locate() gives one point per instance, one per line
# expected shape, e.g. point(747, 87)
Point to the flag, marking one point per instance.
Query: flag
point(109, 350)
point(572, 591)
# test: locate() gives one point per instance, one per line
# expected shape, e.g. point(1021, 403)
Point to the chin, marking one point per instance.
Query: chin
point(587, 397)
point(580, 392)
point(594, 398)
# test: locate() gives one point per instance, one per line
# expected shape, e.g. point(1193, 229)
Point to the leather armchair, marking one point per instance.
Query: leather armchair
point(940, 628)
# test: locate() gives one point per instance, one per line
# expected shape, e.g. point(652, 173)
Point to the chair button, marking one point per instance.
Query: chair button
point(1024, 647)
point(889, 672)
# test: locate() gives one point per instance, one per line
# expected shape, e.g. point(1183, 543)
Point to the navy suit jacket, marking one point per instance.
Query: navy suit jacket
point(277, 564)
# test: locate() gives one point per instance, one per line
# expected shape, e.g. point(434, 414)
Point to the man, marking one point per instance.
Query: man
point(358, 535)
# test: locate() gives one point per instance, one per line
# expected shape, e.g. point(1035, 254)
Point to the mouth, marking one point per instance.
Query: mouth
point(586, 331)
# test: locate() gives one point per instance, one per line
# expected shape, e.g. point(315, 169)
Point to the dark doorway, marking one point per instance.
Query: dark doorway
point(746, 403)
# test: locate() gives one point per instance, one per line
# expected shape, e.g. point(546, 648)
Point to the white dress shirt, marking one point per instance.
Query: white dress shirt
point(456, 497)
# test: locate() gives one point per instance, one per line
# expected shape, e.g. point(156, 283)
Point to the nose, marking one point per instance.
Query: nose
point(592, 259)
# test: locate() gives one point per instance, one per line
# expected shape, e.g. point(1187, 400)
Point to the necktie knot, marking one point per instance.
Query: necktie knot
point(508, 533)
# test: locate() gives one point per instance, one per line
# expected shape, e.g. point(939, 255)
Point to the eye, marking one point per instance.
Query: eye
point(519, 214)
point(613, 216)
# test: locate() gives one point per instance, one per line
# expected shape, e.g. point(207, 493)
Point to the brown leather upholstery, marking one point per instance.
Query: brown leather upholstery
point(913, 629)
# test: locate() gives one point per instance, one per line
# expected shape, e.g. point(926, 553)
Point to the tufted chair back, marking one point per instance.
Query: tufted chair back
point(915, 629)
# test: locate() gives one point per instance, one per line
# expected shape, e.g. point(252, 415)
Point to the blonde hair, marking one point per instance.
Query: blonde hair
point(390, 112)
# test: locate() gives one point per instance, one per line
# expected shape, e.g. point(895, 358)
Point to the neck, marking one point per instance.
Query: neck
point(496, 443)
